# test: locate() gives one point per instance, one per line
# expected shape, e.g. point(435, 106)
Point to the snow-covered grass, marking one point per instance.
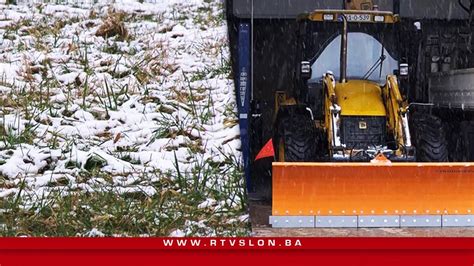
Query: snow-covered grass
point(118, 119)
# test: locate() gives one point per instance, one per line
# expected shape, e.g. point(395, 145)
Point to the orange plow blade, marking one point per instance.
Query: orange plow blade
point(366, 189)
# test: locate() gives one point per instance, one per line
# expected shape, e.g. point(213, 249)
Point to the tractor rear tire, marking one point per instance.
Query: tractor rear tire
point(430, 138)
point(296, 139)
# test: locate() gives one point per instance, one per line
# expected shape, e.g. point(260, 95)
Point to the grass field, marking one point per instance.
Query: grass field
point(118, 120)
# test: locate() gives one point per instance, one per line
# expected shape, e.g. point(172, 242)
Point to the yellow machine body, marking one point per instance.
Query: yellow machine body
point(359, 5)
point(360, 98)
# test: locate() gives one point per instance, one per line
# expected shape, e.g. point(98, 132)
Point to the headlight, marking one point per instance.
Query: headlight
point(328, 17)
point(379, 18)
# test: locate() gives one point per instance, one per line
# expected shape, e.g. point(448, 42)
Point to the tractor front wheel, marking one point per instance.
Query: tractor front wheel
point(296, 136)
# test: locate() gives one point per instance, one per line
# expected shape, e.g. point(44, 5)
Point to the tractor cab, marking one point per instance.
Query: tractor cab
point(349, 77)
point(371, 52)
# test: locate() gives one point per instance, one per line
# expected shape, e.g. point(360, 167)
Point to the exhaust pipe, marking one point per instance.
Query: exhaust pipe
point(396, 7)
point(343, 70)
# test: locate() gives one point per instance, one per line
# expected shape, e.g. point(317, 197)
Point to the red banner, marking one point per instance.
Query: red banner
point(237, 251)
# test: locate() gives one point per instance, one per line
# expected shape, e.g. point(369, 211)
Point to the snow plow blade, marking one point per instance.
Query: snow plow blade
point(331, 195)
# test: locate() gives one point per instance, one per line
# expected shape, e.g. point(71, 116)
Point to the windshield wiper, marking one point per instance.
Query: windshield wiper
point(464, 7)
point(378, 63)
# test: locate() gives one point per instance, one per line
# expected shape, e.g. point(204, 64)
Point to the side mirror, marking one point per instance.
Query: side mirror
point(305, 70)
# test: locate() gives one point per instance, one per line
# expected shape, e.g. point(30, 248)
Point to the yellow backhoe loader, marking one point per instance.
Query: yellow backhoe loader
point(346, 155)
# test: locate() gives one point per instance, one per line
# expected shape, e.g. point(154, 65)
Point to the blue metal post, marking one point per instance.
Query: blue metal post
point(243, 95)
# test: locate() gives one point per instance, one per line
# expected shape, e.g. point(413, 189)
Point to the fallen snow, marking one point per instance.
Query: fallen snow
point(139, 105)
point(94, 233)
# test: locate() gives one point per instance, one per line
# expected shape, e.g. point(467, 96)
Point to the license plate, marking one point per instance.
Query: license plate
point(358, 17)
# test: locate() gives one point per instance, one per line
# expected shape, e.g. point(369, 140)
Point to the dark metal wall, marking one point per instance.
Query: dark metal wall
point(274, 59)
point(280, 9)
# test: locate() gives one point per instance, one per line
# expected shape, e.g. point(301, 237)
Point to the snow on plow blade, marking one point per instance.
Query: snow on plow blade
point(331, 195)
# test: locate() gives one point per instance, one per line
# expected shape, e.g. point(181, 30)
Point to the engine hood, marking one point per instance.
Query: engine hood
point(360, 98)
